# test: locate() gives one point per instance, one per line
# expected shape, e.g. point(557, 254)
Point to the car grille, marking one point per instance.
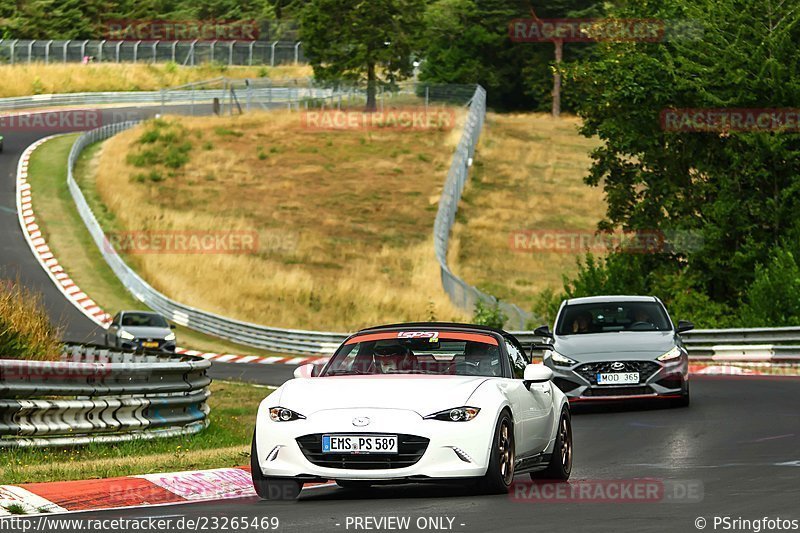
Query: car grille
point(410, 449)
point(645, 369)
point(618, 391)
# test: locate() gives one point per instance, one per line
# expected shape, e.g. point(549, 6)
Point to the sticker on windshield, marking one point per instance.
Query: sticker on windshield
point(432, 336)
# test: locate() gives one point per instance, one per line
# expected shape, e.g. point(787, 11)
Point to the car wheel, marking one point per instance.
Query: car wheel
point(270, 488)
point(500, 472)
point(683, 401)
point(346, 484)
point(560, 466)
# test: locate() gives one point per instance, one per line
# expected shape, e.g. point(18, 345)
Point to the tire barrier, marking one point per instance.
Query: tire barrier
point(97, 394)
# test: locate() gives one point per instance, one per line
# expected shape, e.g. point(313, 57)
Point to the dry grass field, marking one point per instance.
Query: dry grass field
point(38, 78)
point(528, 175)
point(343, 218)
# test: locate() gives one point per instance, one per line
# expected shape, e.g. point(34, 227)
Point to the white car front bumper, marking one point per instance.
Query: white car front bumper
point(454, 450)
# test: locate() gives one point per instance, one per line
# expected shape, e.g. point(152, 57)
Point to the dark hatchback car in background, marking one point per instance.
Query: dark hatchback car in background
point(607, 348)
point(140, 330)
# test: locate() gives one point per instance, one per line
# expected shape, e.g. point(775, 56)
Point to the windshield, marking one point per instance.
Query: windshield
point(144, 320)
point(418, 352)
point(606, 317)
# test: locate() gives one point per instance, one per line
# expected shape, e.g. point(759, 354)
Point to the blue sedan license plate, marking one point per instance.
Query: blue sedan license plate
point(359, 444)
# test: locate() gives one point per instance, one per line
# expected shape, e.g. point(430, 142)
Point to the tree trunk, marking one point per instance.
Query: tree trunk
point(557, 78)
point(371, 88)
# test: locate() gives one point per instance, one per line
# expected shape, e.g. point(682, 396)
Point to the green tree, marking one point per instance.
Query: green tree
point(467, 41)
point(739, 190)
point(360, 40)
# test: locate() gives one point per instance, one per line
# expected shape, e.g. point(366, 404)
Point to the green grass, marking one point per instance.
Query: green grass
point(73, 246)
point(225, 443)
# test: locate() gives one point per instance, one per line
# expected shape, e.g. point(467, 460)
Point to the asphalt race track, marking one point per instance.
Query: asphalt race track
point(736, 450)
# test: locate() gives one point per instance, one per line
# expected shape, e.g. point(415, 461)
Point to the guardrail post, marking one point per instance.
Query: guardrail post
point(83, 48)
point(272, 54)
point(13, 47)
point(249, 94)
point(297, 52)
point(47, 52)
point(119, 43)
point(212, 47)
point(230, 53)
point(30, 50)
point(136, 50)
point(250, 57)
point(155, 51)
point(100, 46)
point(174, 46)
point(66, 48)
point(191, 51)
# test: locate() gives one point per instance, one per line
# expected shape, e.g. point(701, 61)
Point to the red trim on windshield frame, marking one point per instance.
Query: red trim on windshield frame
point(447, 335)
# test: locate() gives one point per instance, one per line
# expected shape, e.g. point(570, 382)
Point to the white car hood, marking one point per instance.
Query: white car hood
point(423, 394)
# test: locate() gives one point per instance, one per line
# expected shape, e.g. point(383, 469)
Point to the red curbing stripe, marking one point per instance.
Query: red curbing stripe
point(102, 493)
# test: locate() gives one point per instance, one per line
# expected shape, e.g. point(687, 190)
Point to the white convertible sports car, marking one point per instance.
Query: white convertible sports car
point(410, 403)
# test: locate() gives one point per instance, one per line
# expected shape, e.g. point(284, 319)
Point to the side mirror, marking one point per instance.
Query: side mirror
point(537, 374)
point(305, 371)
point(543, 331)
point(684, 325)
point(172, 326)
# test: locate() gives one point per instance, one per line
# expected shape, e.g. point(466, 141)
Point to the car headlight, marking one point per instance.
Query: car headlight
point(561, 360)
point(671, 355)
point(170, 337)
point(125, 335)
point(282, 414)
point(457, 414)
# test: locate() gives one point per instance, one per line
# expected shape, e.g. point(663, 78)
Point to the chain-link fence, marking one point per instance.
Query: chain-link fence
point(15, 51)
point(230, 96)
point(461, 293)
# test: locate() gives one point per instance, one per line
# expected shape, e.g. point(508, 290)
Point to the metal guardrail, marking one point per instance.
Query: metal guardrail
point(461, 293)
point(97, 394)
point(276, 95)
point(186, 52)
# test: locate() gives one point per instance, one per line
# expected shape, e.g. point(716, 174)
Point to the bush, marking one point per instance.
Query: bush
point(489, 315)
point(25, 329)
point(773, 299)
